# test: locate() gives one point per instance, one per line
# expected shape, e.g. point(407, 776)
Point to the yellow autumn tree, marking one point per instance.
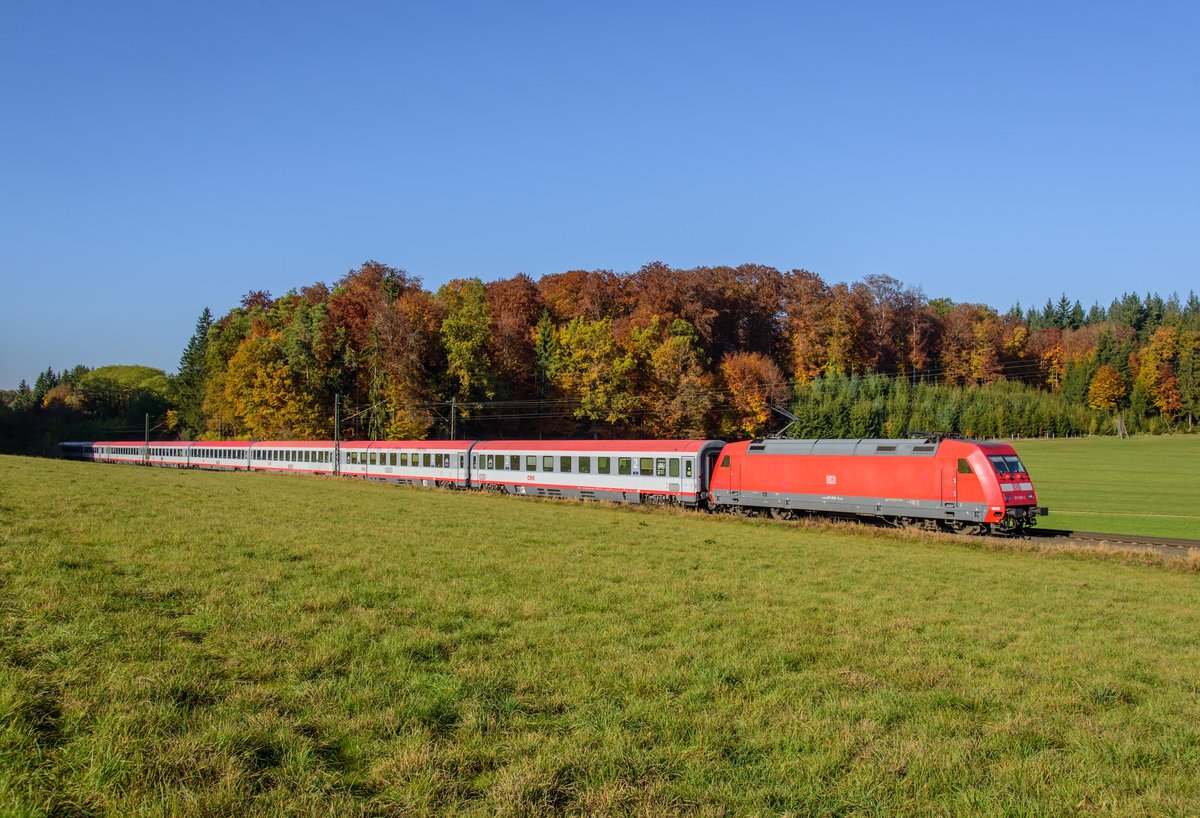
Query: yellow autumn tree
point(265, 396)
point(1157, 371)
point(593, 370)
point(1107, 389)
point(679, 393)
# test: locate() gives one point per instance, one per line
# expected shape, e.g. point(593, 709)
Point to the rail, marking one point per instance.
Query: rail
point(1165, 545)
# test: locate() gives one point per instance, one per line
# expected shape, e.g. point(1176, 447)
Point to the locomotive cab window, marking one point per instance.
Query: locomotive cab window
point(1006, 463)
point(963, 466)
point(725, 460)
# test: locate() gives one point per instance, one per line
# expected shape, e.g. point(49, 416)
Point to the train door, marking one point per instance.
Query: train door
point(735, 473)
point(949, 485)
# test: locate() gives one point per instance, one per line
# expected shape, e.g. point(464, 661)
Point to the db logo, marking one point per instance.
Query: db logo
point(831, 479)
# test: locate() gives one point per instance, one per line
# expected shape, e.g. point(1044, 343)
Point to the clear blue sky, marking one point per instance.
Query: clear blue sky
point(158, 158)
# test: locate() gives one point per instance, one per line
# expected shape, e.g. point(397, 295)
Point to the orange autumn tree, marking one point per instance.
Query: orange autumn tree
point(753, 382)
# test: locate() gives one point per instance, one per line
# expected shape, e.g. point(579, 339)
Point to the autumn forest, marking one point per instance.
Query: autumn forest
point(662, 352)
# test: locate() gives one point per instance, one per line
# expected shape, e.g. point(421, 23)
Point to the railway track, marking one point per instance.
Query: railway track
point(1161, 545)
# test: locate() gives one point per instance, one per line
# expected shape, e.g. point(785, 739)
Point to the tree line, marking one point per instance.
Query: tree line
point(660, 352)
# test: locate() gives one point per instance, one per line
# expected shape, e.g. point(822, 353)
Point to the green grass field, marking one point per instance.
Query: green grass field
point(1143, 485)
point(193, 643)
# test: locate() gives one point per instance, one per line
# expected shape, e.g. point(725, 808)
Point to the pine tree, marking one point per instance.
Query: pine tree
point(1191, 311)
point(1156, 310)
point(1076, 318)
point(1128, 310)
point(23, 402)
point(45, 382)
point(1062, 312)
point(189, 383)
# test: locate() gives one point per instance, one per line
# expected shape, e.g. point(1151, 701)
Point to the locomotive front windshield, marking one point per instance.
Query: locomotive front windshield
point(1007, 463)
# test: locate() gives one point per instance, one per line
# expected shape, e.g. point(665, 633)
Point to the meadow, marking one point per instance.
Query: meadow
point(194, 643)
point(1148, 485)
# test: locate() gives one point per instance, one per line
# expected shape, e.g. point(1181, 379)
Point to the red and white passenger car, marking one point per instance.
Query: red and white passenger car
point(629, 471)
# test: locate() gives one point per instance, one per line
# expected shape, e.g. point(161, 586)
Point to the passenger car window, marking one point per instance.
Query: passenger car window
point(646, 465)
point(673, 467)
point(564, 463)
point(547, 462)
point(585, 464)
point(624, 465)
point(425, 458)
point(531, 462)
point(514, 462)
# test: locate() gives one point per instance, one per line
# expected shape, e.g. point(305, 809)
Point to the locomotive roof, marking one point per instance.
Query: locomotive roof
point(903, 447)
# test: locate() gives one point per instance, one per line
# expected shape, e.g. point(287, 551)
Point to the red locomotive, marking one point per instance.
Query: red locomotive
point(931, 482)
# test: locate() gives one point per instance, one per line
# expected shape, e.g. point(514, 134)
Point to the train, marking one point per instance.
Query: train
point(931, 482)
